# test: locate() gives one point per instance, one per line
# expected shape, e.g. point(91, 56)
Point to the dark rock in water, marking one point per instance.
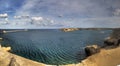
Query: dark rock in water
point(114, 39)
point(112, 42)
point(93, 49)
point(54, 46)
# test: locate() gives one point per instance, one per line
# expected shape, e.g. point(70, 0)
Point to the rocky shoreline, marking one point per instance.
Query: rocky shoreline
point(109, 55)
point(106, 57)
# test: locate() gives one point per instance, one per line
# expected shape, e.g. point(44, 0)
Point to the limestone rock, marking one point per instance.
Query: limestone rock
point(114, 39)
point(8, 59)
point(69, 29)
point(93, 49)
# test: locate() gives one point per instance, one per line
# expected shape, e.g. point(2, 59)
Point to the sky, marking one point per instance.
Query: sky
point(70, 13)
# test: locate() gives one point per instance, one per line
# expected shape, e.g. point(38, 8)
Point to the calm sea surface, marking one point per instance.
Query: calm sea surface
point(53, 46)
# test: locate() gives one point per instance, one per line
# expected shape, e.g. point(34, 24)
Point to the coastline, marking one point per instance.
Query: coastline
point(106, 57)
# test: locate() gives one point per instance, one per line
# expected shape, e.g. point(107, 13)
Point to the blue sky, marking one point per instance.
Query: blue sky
point(10, 6)
point(70, 10)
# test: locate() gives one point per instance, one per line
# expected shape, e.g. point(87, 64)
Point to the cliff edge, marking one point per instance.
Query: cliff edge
point(8, 59)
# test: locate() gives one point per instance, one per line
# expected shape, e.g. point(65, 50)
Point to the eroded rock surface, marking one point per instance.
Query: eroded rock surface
point(114, 39)
point(8, 59)
point(93, 49)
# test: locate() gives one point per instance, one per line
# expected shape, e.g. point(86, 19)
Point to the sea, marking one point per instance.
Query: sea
point(53, 46)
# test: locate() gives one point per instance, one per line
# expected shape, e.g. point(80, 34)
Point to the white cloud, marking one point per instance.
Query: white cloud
point(37, 18)
point(117, 12)
point(5, 15)
point(109, 22)
point(74, 10)
point(22, 17)
point(17, 17)
point(24, 10)
point(64, 7)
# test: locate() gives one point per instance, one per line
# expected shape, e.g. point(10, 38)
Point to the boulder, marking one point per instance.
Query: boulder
point(93, 49)
point(114, 39)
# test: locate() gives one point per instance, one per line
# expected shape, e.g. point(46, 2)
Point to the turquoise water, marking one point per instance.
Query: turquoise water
point(54, 46)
